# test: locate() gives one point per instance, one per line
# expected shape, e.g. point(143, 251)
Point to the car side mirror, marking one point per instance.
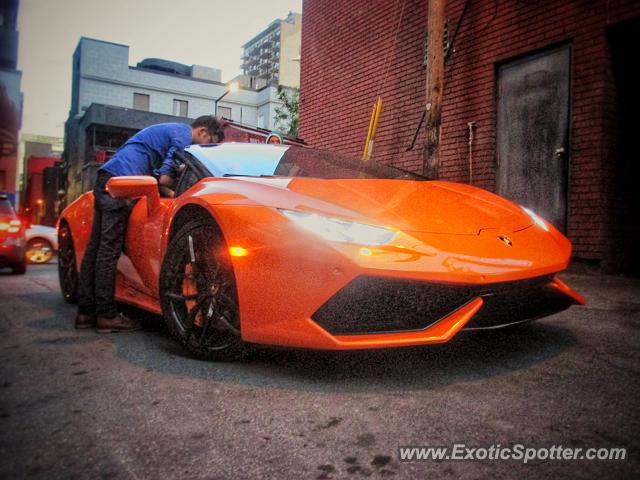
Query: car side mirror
point(136, 187)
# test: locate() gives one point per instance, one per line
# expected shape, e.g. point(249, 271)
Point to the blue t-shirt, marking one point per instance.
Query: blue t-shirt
point(150, 151)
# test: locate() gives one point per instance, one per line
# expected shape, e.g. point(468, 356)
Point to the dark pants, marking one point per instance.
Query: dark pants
point(96, 289)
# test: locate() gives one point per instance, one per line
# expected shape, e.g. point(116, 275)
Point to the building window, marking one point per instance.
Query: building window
point(224, 112)
point(180, 108)
point(141, 101)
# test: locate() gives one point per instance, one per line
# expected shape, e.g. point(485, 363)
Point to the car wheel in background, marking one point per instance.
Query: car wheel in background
point(39, 250)
point(67, 270)
point(198, 293)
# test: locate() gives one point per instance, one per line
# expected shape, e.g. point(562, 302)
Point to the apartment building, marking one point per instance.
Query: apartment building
point(274, 53)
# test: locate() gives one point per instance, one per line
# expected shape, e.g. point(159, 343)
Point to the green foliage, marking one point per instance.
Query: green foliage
point(286, 118)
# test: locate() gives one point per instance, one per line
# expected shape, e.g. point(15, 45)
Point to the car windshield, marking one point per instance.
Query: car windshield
point(5, 207)
point(261, 160)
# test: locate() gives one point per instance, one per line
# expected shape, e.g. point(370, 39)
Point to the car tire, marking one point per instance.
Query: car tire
point(67, 268)
point(20, 268)
point(198, 293)
point(39, 250)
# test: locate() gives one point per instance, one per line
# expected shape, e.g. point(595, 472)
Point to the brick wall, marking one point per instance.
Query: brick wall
point(348, 45)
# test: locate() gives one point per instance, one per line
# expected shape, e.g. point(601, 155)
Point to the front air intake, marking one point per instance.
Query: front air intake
point(381, 305)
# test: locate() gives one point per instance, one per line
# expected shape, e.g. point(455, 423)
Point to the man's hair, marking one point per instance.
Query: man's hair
point(212, 124)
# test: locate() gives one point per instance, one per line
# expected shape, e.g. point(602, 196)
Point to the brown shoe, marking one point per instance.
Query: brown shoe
point(85, 321)
point(119, 323)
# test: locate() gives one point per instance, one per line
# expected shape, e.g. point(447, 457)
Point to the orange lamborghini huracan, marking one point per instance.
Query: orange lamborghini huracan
point(285, 245)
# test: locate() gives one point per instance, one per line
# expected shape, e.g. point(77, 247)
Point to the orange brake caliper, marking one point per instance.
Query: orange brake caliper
point(190, 288)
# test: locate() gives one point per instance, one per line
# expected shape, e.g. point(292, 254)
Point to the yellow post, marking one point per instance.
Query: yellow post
point(366, 141)
point(373, 125)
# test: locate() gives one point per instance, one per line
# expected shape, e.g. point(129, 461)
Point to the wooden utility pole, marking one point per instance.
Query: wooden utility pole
point(435, 86)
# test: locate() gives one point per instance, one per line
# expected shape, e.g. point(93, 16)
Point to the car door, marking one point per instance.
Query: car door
point(139, 265)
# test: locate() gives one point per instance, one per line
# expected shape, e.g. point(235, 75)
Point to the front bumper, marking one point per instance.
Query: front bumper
point(371, 305)
point(384, 323)
point(297, 291)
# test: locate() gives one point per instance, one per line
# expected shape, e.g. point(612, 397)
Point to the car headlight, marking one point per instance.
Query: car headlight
point(336, 230)
point(537, 219)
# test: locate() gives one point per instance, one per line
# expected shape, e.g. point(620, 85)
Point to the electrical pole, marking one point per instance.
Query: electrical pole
point(435, 86)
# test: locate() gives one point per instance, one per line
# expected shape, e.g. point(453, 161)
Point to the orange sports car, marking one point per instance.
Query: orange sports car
point(292, 246)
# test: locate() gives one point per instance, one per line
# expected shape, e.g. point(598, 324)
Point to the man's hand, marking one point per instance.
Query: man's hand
point(166, 192)
point(166, 186)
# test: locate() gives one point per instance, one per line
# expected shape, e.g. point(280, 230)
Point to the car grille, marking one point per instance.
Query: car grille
point(382, 305)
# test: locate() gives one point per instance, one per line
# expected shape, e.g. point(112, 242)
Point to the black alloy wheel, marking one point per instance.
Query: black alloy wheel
point(198, 293)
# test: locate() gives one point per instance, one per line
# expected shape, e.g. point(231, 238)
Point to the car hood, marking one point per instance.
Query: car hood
point(425, 206)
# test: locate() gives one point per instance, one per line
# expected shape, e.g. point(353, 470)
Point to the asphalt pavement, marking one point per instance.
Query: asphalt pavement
point(77, 404)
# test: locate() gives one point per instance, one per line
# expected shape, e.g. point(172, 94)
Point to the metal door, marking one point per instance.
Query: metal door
point(533, 132)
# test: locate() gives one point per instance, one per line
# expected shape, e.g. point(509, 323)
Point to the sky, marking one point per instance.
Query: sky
point(204, 32)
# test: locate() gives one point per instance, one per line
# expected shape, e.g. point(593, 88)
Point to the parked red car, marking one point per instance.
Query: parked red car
point(12, 238)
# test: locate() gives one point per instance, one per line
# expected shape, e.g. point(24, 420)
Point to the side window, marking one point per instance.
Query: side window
point(180, 108)
point(224, 112)
point(190, 172)
point(141, 101)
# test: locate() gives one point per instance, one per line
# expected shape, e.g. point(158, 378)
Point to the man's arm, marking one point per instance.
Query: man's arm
point(167, 170)
point(169, 164)
point(167, 175)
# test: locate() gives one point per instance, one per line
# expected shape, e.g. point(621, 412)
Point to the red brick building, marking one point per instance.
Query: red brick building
point(545, 89)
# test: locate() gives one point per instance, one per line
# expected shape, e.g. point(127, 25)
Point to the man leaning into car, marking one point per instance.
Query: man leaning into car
point(149, 152)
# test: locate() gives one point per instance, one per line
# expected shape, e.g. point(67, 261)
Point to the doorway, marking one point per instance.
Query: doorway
point(533, 132)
